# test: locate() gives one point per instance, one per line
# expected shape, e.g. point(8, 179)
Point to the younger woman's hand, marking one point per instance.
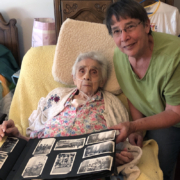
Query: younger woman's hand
point(123, 157)
point(136, 139)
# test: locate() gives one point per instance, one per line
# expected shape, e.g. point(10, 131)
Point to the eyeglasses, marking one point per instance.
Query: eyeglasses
point(128, 29)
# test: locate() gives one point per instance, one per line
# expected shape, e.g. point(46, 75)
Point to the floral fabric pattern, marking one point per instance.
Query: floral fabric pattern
point(54, 98)
point(72, 121)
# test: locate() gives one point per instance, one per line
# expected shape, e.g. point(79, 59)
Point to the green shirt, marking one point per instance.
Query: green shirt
point(161, 83)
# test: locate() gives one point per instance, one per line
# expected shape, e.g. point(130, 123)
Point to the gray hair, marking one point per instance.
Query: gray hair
point(96, 56)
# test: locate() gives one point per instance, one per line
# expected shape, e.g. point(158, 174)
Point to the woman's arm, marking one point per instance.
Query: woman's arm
point(134, 112)
point(135, 138)
point(169, 117)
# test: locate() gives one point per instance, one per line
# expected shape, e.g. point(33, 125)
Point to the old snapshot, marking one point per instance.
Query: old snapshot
point(101, 137)
point(3, 157)
point(34, 166)
point(9, 145)
point(70, 144)
point(44, 146)
point(63, 163)
point(96, 164)
point(97, 149)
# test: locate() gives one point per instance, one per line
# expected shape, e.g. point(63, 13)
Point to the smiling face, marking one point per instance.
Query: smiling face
point(134, 43)
point(88, 76)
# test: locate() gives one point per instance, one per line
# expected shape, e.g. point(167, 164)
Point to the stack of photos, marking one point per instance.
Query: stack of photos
point(100, 163)
point(96, 144)
point(7, 148)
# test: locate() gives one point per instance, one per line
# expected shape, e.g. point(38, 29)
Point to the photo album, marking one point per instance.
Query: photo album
point(87, 156)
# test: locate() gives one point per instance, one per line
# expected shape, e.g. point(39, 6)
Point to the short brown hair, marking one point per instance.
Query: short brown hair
point(125, 9)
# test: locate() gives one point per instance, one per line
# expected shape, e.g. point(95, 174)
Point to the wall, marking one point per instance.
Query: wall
point(177, 4)
point(24, 11)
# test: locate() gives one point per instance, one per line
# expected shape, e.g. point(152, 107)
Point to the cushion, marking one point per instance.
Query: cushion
point(78, 37)
point(35, 81)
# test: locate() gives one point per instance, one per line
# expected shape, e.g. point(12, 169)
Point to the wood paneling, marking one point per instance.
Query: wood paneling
point(9, 37)
point(86, 10)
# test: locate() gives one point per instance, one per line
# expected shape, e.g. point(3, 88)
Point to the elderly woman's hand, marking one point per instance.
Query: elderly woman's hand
point(7, 128)
point(123, 157)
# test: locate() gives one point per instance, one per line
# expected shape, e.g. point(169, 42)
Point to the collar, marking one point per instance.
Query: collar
point(158, 4)
point(96, 97)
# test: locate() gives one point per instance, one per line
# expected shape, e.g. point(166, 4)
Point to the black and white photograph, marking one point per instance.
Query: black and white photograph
point(97, 149)
point(96, 164)
point(34, 166)
point(3, 158)
point(101, 137)
point(9, 145)
point(63, 163)
point(68, 144)
point(44, 146)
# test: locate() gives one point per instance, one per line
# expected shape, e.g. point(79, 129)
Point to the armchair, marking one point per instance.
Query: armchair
point(36, 80)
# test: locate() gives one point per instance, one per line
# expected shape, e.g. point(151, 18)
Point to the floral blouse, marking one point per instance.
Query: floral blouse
point(71, 121)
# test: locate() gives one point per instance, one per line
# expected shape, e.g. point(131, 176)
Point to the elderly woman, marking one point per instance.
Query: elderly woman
point(147, 66)
point(74, 111)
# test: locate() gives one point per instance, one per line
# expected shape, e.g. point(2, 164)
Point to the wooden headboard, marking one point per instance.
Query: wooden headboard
point(9, 37)
point(86, 10)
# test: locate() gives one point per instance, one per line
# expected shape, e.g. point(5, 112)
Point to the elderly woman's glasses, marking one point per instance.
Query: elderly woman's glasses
point(118, 32)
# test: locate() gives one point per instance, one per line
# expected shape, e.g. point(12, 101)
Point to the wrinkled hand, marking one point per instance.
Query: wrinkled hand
point(125, 130)
point(136, 139)
point(8, 128)
point(123, 157)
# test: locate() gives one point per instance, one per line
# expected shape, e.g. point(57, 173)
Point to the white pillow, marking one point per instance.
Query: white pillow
point(77, 37)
